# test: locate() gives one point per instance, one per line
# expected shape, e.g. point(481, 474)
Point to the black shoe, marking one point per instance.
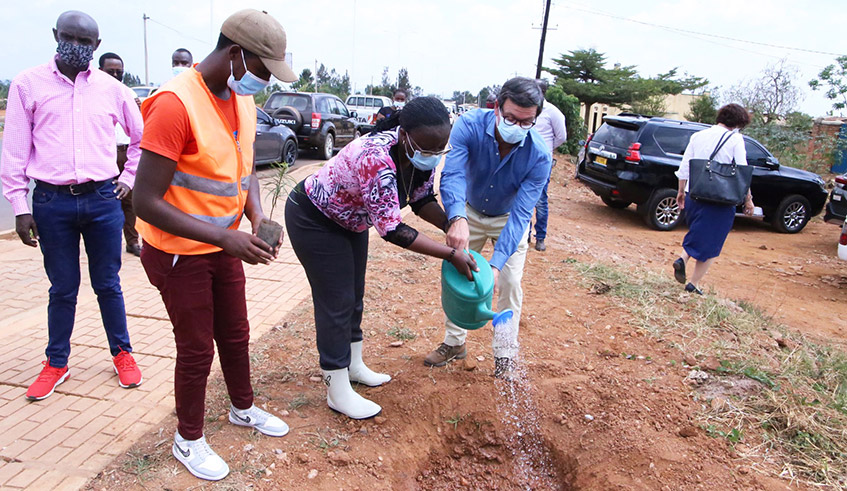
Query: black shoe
point(693, 289)
point(539, 245)
point(679, 270)
point(134, 249)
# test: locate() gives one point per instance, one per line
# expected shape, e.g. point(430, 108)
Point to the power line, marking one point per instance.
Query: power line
point(688, 31)
point(178, 32)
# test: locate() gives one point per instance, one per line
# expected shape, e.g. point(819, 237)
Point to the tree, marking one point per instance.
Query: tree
point(834, 79)
point(263, 95)
point(403, 80)
point(569, 105)
point(485, 92)
point(704, 109)
point(463, 97)
point(583, 73)
point(385, 88)
point(131, 80)
point(651, 106)
point(770, 97)
point(305, 82)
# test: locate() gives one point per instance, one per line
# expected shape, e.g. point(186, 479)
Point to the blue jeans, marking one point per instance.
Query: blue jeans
point(61, 219)
point(541, 214)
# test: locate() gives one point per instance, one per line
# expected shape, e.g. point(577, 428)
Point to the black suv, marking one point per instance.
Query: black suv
point(632, 159)
point(320, 121)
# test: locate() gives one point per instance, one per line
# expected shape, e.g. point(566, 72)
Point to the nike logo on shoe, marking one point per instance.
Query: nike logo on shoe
point(185, 453)
point(245, 419)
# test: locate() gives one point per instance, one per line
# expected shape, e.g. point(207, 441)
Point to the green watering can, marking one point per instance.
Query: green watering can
point(468, 303)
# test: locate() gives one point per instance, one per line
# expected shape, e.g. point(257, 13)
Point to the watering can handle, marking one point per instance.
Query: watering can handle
point(478, 286)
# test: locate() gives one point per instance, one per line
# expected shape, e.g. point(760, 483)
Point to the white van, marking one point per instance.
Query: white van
point(366, 106)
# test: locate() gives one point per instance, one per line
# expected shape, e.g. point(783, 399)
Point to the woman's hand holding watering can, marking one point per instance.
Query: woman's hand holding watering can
point(464, 263)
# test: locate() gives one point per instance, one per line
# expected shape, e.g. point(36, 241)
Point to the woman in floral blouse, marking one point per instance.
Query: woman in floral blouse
point(328, 216)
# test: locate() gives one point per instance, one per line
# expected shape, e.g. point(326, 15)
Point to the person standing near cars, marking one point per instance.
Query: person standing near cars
point(196, 180)
point(181, 60)
point(399, 101)
point(551, 127)
point(114, 66)
point(491, 181)
point(328, 216)
point(709, 223)
point(60, 132)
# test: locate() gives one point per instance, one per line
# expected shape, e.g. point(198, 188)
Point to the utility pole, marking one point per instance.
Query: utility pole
point(146, 67)
point(543, 39)
point(316, 76)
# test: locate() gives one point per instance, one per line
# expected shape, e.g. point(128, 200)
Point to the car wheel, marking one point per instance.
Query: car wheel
point(792, 214)
point(615, 203)
point(357, 134)
point(662, 211)
point(289, 152)
point(329, 146)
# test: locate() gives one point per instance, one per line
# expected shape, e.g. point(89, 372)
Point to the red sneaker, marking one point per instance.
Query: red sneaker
point(129, 375)
point(47, 381)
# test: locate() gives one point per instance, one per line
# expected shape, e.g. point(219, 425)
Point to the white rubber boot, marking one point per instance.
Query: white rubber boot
point(341, 397)
point(360, 373)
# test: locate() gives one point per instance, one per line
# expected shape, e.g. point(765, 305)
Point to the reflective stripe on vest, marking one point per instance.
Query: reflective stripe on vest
point(210, 185)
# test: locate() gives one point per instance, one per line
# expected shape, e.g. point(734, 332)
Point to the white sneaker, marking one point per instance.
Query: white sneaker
point(254, 417)
point(199, 458)
point(360, 373)
point(341, 397)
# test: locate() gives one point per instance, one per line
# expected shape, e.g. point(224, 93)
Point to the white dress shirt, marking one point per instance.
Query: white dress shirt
point(551, 126)
point(703, 143)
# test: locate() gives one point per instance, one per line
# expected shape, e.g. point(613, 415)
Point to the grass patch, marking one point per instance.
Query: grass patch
point(797, 423)
point(298, 401)
point(402, 333)
point(139, 464)
point(328, 439)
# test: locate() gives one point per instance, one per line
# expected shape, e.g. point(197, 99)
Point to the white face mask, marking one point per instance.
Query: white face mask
point(179, 69)
point(249, 83)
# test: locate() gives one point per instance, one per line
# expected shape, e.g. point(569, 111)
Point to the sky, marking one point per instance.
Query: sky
point(449, 45)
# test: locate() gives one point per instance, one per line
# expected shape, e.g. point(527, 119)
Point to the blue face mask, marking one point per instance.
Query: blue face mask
point(421, 162)
point(511, 133)
point(249, 83)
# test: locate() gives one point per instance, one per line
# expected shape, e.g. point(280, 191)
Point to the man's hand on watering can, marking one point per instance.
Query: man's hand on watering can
point(464, 263)
point(496, 273)
point(458, 234)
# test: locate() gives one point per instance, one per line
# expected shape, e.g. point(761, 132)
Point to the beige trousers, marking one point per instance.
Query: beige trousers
point(483, 228)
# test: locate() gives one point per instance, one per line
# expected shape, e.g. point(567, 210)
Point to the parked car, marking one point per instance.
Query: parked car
point(842, 243)
point(366, 106)
point(275, 142)
point(320, 121)
point(836, 209)
point(144, 92)
point(632, 159)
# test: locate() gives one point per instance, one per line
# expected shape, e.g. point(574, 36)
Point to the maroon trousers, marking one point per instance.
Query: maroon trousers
point(205, 299)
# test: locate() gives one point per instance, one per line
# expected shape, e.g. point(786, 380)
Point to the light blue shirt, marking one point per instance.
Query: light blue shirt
point(475, 174)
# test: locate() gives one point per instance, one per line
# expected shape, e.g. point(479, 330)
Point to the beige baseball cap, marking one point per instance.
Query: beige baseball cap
point(262, 35)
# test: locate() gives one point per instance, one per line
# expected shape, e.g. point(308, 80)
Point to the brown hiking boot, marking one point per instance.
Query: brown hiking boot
point(444, 354)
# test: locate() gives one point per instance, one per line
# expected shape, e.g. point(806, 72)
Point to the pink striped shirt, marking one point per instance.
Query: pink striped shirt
point(63, 132)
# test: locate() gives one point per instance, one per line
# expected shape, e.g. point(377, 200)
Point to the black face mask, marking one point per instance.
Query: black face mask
point(75, 55)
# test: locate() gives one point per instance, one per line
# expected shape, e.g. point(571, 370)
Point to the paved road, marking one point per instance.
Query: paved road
point(7, 217)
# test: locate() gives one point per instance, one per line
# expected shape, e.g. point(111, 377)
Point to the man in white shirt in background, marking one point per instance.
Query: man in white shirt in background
point(551, 126)
point(114, 66)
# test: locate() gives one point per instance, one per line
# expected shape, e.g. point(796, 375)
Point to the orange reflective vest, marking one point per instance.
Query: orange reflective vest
point(212, 184)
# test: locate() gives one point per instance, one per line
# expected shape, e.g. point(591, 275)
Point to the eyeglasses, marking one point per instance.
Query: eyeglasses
point(510, 121)
point(427, 153)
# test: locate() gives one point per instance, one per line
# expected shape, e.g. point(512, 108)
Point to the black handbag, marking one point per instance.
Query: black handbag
point(719, 183)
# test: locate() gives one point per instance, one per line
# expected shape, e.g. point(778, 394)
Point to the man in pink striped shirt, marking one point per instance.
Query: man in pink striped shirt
point(60, 132)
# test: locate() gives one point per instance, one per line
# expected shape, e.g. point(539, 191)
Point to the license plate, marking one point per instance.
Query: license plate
point(600, 161)
point(836, 197)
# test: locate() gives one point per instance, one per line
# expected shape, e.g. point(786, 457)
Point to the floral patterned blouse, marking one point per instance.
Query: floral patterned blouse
point(358, 187)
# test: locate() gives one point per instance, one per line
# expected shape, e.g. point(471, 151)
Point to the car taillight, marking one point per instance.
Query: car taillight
point(316, 120)
point(588, 140)
point(633, 154)
point(843, 240)
point(841, 180)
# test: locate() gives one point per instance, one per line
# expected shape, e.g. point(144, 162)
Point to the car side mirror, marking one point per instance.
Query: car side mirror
point(772, 162)
point(353, 114)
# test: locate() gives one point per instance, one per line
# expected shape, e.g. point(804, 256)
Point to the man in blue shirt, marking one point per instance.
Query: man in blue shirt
point(492, 179)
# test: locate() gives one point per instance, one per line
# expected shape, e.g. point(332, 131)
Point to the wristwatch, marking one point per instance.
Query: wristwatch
point(454, 220)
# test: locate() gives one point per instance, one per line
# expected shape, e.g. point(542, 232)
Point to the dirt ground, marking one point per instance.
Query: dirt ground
point(585, 420)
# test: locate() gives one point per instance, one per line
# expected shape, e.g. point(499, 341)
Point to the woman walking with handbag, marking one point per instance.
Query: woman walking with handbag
point(709, 221)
